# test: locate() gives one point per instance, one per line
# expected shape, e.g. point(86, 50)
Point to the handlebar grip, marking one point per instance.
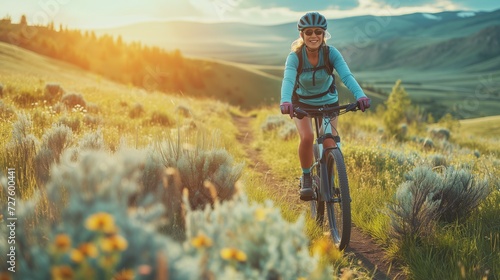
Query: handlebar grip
point(299, 113)
point(352, 107)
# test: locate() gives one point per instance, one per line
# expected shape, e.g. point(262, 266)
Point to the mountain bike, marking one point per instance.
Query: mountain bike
point(329, 174)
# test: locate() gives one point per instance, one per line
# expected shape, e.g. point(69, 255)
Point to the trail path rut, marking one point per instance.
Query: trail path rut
point(361, 246)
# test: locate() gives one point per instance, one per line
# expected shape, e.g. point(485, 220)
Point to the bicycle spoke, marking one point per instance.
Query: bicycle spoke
point(338, 208)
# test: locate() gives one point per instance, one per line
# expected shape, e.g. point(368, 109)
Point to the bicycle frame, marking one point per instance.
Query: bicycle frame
point(323, 132)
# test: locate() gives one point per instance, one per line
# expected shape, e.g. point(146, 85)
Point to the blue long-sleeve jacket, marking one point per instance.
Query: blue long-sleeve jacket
point(322, 81)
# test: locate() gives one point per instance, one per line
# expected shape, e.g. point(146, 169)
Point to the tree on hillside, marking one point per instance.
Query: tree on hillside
point(23, 20)
point(397, 103)
point(449, 122)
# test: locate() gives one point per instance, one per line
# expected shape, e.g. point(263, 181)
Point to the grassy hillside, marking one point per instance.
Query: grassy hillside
point(482, 127)
point(148, 67)
point(115, 165)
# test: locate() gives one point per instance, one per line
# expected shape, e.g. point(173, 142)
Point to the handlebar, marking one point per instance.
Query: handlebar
point(324, 111)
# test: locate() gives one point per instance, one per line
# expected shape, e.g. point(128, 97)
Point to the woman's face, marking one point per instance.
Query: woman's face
point(313, 37)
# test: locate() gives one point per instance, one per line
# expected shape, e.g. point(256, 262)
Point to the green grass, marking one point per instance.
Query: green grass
point(377, 166)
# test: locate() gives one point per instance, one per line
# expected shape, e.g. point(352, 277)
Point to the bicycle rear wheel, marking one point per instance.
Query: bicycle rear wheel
point(317, 205)
point(338, 205)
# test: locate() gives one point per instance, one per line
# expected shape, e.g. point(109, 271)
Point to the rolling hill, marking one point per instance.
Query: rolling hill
point(258, 44)
point(229, 82)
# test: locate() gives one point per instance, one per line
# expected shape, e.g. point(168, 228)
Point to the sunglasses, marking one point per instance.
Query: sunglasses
point(318, 32)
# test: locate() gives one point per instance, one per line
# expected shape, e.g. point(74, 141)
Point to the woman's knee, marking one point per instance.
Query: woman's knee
point(307, 137)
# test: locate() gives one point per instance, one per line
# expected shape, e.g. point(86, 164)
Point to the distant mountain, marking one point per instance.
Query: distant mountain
point(479, 52)
point(459, 38)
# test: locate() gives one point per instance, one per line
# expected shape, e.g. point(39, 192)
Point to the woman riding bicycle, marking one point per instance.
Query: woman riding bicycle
point(314, 88)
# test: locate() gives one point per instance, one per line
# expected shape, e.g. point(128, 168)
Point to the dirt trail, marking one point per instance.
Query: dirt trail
point(361, 245)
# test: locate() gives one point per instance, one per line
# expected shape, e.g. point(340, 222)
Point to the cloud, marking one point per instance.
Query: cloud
point(277, 15)
point(98, 13)
point(299, 6)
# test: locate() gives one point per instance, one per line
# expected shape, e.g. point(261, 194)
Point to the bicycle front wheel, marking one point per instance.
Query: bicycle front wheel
point(338, 204)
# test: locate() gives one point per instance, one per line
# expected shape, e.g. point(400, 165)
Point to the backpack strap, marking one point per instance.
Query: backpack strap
point(326, 59)
point(298, 52)
point(329, 65)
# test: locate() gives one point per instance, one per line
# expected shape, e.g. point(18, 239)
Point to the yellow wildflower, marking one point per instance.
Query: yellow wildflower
point(261, 214)
point(88, 250)
point(114, 243)
point(324, 247)
point(62, 243)
point(233, 254)
point(101, 221)
point(201, 241)
point(62, 272)
point(108, 261)
point(126, 274)
point(76, 256)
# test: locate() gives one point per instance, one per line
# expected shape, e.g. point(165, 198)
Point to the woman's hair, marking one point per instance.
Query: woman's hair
point(299, 42)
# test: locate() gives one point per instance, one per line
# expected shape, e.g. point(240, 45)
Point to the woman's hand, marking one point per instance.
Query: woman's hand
point(287, 108)
point(364, 103)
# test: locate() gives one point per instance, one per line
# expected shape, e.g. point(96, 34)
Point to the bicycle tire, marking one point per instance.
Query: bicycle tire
point(339, 205)
point(317, 205)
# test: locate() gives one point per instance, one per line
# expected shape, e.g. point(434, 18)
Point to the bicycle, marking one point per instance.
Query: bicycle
point(330, 184)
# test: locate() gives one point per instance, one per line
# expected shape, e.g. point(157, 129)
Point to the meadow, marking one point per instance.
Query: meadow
point(118, 182)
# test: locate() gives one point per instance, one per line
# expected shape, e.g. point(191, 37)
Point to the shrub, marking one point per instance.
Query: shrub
point(73, 99)
point(403, 130)
point(159, 118)
point(477, 153)
point(208, 174)
point(26, 99)
point(440, 133)
point(89, 229)
point(92, 108)
point(157, 179)
point(288, 131)
point(59, 107)
point(460, 193)
point(21, 152)
point(183, 111)
point(243, 240)
point(54, 142)
point(414, 211)
point(428, 143)
point(273, 122)
point(136, 111)
point(438, 160)
point(53, 92)
point(92, 121)
point(6, 111)
point(71, 121)
point(428, 197)
point(92, 141)
point(41, 118)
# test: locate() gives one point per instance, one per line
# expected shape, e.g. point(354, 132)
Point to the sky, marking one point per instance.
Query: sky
point(89, 14)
